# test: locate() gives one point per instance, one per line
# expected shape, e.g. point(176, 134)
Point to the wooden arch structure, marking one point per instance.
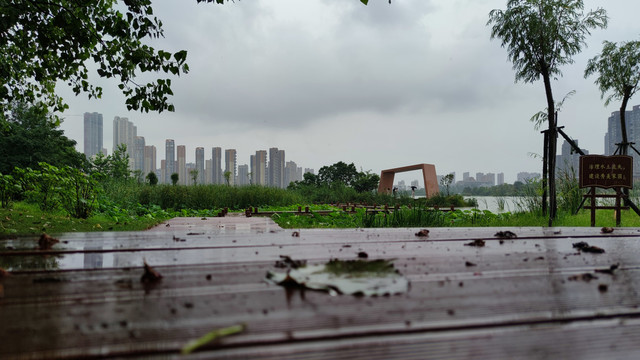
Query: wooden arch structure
point(428, 173)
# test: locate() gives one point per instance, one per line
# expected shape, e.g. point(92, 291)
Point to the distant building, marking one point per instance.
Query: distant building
point(149, 159)
point(525, 177)
point(124, 132)
point(230, 163)
point(138, 154)
point(614, 135)
point(568, 161)
point(170, 158)
point(216, 166)
point(276, 168)
point(207, 170)
point(291, 173)
point(200, 165)
point(259, 168)
point(181, 165)
point(92, 134)
point(500, 178)
point(243, 175)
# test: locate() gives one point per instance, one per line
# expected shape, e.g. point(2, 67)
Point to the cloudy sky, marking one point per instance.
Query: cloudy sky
point(382, 86)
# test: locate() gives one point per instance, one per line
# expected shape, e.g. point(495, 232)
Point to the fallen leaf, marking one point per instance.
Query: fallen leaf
point(363, 255)
point(609, 271)
point(606, 230)
point(46, 242)
point(476, 243)
point(584, 277)
point(349, 277)
point(150, 274)
point(505, 234)
point(585, 247)
point(295, 234)
point(209, 337)
point(422, 233)
point(469, 263)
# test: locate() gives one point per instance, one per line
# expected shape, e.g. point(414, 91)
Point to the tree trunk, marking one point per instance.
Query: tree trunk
point(623, 123)
point(553, 139)
point(545, 153)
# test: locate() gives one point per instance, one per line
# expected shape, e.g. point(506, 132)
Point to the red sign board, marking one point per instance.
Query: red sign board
point(606, 171)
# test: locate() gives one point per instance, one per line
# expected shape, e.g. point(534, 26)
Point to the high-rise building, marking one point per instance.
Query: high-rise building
point(243, 175)
point(170, 158)
point(207, 170)
point(92, 134)
point(200, 164)
point(308, 170)
point(290, 173)
point(230, 158)
point(614, 135)
point(259, 168)
point(276, 167)
point(124, 132)
point(138, 154)
point(181, 164)
point(216, 165)
point(568, 161)
point(149, 159)
point(163, 172)
point(501, 178)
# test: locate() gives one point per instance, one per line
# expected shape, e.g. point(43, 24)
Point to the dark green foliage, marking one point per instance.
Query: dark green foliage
point(152, 178)
point(44, 42)
point(115, 166)
point(338, 172)
point(29, 135)
point(174, 178)
point(339, 182)
point(8, 187)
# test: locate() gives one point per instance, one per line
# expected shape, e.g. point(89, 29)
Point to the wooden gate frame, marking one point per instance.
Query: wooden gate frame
point(428, 174)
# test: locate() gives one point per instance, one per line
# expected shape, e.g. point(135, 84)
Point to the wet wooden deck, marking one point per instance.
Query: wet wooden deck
point(84, 299)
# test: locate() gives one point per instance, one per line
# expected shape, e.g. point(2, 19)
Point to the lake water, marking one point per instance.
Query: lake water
point(491, 203)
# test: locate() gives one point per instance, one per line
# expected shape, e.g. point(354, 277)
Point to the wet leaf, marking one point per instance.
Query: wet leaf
point(505, 235)
point(213, 335)
point(585, 247)
point(422, 233)
point(46, 242)
point(150, 274)
point(606, 230)
point(350, 277)
point(476, 243)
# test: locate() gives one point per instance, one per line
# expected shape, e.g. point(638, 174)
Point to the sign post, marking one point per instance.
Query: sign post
point(607, 172)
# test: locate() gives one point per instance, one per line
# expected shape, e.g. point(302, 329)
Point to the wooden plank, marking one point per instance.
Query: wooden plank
point(518, 293)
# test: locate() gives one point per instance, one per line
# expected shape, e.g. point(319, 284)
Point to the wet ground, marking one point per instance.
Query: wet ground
point(535, 296)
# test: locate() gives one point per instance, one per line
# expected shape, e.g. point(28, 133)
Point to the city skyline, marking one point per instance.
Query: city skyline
point(382, 86)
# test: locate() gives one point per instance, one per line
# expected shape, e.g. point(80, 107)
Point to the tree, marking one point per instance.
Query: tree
point(446, 182)
point(152, 178)
point(174, 178)
point(194, 176)
point(29, 135)
point(618, 70)
point(366, 181)
point(339, 172)
point(227, 177)
point(540, 36)
point(43, 42)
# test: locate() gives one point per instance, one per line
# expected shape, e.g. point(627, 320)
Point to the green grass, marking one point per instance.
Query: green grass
point(28, 219)
point(467, 218)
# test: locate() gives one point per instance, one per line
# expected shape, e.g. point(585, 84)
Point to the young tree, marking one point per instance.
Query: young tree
point(227, 177)
point(540, 36)
point(446, 182)
point(618, 70)
point(174, 178)
point(194, 176)
point(152, 178)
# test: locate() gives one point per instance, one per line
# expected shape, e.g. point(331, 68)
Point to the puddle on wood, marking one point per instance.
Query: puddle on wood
point(348, 277)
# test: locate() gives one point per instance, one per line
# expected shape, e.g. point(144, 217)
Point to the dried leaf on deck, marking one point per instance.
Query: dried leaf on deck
point(150, 274)
point(505, 235)
point(422, 233)
point(476, 243)
point(606, 230)
point(585, 247)
point(46, 242)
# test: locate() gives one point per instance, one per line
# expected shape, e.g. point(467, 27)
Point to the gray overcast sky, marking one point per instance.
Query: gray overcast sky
point(383, 85)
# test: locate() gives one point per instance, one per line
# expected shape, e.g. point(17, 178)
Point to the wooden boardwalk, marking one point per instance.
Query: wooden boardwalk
point(524, 298)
